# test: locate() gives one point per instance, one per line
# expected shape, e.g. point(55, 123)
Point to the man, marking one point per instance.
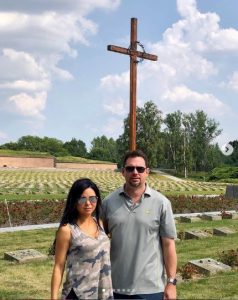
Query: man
point(142, 229)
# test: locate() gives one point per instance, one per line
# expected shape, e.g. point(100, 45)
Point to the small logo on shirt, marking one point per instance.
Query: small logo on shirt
point(147, 212)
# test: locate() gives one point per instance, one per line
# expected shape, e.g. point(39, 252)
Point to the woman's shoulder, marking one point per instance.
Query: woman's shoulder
point(64, 229)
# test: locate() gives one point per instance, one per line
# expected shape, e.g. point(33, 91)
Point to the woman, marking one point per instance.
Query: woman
point(82, 244)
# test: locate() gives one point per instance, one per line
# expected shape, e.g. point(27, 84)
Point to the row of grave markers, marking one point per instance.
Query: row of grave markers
point(209, 217)
point(205, 266)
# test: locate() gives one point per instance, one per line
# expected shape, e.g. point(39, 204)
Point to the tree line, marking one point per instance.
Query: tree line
point(179, 141)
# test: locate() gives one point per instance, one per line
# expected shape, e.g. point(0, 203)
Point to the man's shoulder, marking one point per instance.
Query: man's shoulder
point(157, 195)
point(112, 196)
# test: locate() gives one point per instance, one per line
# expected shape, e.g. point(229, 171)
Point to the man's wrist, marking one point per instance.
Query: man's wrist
point(172, 281)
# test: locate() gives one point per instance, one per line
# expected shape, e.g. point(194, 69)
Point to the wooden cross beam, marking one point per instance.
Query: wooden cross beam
point(134, 54)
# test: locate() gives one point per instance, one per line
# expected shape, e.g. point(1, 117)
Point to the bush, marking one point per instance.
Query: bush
point(229, 257)
point(224, 173)
point(31, 212)
point(190, 204)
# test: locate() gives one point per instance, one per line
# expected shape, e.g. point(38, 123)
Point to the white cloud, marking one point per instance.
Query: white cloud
point(202, 31)
point(17, 65)
point(27, 105)
point(34, 38)
point(233, 82)
point(186, 65)
point(187, 8)
point(113, 127)
point(111, 82)
point(116, 105)
point(26, 85)
point(189, 100)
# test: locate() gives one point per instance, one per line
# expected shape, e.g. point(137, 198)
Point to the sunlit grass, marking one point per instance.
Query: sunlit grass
point(32, 280)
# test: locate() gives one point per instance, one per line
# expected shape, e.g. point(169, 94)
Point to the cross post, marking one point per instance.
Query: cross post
point(134, 54)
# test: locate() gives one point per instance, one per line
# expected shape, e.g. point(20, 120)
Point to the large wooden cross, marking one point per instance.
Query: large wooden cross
point(134, 54)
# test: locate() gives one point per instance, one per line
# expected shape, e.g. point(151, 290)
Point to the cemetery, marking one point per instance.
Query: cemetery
point(34, 190)
point(207, 237)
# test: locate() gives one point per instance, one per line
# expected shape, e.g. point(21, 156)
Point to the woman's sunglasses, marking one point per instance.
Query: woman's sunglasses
point(92, 200)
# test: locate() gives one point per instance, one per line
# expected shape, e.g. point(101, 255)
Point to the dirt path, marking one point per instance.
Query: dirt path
point(167, 175)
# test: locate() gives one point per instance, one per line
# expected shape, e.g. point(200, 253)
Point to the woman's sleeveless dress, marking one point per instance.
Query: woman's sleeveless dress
point(88, 268)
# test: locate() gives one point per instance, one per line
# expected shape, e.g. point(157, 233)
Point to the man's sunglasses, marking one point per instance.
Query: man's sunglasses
point(131, 169)
point(92, 200)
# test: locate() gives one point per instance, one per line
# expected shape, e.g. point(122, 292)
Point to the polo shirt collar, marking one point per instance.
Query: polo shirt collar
point(121, 190)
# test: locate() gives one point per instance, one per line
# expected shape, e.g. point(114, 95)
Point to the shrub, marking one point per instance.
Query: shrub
point(229, 257)
point(188, 271)
point(224, 173)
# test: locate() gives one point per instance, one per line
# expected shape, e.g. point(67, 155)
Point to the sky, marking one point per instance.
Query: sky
point(57, 78)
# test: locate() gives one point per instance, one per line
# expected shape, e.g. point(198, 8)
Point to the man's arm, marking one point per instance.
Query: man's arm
point(170, 261)
point(103, 217)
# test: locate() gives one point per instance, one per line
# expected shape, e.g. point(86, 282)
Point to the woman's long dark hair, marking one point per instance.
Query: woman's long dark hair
point(71, 214)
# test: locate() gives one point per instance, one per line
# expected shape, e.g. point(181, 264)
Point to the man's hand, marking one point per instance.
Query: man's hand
point(170, 292)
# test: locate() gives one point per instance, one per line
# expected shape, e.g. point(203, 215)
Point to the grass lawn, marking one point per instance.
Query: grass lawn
point(219, 286)
point(23, 184)
point(25, 281)
point(32, 280)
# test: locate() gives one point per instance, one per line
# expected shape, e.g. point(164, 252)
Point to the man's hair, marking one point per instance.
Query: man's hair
point(135, 153)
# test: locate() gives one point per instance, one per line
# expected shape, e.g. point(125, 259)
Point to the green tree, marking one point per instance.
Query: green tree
point(214, 157)
point(54, 146)
point(103, 148)
point(10, 146)
point(46, 144)
point(174, 139)
point(201, 131)
point(148, 133)
point(76, 148)
point(30, 143)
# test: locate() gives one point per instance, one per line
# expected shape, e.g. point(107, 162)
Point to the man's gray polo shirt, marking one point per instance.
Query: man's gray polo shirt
point(136, 253)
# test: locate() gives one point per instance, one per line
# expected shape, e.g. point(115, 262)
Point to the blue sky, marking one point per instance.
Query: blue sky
point(57, 78)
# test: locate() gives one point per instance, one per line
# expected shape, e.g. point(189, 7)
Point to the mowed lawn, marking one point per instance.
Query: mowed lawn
point(23, 184)
point(32, 280)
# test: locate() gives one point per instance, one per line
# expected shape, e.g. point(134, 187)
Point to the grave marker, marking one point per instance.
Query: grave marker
point(189, 219)
point(25, 255)
point(233, 216)
point(210, 217)
point(223, 231)
point(196, 234)
point(209, 266)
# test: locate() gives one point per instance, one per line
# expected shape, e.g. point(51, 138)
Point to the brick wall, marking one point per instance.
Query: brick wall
point(26, 162)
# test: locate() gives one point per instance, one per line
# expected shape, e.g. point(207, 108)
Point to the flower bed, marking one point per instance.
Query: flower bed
point(50, 211)
point(31, 212)
point(192, 204)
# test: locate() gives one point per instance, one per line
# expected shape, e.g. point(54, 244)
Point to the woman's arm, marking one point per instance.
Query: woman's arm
point(61, 249)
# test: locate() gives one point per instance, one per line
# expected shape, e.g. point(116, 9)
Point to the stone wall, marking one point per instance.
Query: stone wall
point(86, 166)
point(26, 162)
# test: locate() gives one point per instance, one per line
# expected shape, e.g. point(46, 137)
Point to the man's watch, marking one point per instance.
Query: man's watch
point(172, 281)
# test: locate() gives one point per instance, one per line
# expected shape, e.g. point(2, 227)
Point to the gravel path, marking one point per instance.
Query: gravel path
point(55, 225)
point(168, 176)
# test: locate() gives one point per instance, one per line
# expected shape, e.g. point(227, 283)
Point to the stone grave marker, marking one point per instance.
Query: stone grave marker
point(26, 255)
point(189, 219)
point(233, 216)
point(210, 217)
point(196, 234)
point(232, 192)
point(209, 266)
point(223, 231)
